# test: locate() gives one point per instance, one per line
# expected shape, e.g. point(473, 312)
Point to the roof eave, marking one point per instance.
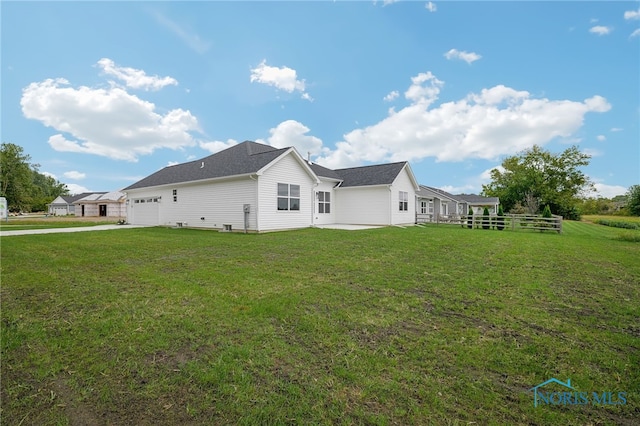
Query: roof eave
point(188, 182)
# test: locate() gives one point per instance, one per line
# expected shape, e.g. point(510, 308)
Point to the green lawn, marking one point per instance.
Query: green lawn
point(423, 325)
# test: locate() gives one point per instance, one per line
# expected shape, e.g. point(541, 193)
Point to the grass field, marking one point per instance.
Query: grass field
point(423, 325)
point(23, 223)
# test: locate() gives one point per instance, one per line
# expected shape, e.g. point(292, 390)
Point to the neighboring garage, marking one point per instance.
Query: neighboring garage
point(145, 211)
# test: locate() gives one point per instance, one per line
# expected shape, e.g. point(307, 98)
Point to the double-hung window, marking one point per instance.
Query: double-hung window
point(324, 202)
point(288, 196)
point(404, 201)
point(423, 207)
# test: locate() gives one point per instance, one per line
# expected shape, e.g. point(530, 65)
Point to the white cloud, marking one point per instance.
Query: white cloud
point(391, 96)
point(136, 79)
point(107, 122)
point(388, 2)
point(51, 175)
point(495, 122)
point(485, 177)
point(462, 189)
point(75, 175)
point(76, 189)
point(190, 38)
point(635, 33)
point(216, 146)
point(431, 7)
point(468, 57)
point(606, 191)
point(592, 152)
point(421, 93)
point(632, 14)
point(601, 138)
point(283, 78)
point(600, 30)
point(293, 133)
point(616, 129)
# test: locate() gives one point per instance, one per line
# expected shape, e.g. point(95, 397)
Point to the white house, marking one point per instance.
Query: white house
point(63, 204)
point(101, 204)
point(256, 187)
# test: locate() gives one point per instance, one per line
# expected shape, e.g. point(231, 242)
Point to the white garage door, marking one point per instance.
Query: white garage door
point(145, 211)
point(59, 211)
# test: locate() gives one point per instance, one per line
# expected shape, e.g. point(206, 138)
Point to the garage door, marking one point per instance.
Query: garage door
point(145, 211)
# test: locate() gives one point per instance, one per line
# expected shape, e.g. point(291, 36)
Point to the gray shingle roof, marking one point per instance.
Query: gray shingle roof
point(245, 158)
point(427, 190)
point(324, 172)
point(249, 157)
point(380, 174)
point(70, 199)
point(478, 199)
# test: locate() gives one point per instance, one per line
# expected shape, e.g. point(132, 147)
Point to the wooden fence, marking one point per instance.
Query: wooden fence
point(513, 222)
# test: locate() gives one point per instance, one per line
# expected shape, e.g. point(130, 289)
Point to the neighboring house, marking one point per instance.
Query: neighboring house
point(256, 187)
point(63, 204)
point(478, 203)
point(102, 204)
point(434, 204)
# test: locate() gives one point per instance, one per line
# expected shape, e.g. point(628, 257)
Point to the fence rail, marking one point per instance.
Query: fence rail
point(514, 222)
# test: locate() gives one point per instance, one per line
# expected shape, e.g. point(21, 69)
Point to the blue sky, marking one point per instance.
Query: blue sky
point(101, 94)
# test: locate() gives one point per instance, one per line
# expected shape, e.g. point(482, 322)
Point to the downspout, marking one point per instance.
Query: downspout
point(313, 203)
point(390, 204)
point(256, 200)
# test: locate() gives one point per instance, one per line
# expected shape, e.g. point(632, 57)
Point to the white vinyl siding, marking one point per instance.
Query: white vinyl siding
point(290, 171)
point(403, 183)
point(363, 205)
point(203, 205)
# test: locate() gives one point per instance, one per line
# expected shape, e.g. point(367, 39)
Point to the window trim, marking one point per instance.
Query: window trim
point(290, 198)
point(403, 198)
point(324, 202)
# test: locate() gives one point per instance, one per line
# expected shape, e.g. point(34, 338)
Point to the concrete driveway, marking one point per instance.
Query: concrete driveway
point(64, 230)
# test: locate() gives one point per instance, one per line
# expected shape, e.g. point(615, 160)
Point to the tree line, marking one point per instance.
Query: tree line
point(24, 187)
point(535, 178)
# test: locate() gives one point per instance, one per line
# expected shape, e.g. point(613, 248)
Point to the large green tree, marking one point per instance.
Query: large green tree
point(536, 177)
point(24, 187)
point(633, 200)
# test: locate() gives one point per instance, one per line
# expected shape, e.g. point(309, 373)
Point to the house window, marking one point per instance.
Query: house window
point(431, 206)
point(444, 208)
point(175, 195)
point(324, 202)
point(404, 201)
point(423, 207)
point(288, 196)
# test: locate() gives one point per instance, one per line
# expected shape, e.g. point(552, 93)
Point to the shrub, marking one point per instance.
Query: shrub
point(633, 237)
point(547, 212)
point(500, 219)
point(485, 219)
point(470, 218)
point(617, 224)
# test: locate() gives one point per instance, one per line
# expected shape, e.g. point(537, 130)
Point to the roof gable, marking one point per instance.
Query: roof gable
point(245, 158)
